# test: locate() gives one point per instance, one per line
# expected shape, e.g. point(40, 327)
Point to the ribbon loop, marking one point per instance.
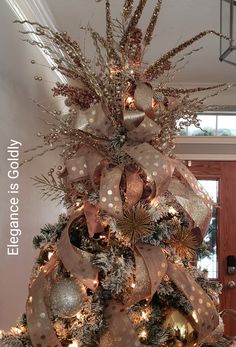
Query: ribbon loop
point(76, 261)
point(110, 199)
point(157, 167)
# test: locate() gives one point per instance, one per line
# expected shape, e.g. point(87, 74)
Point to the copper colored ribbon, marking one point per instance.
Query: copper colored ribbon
point(94, 118)
point(76, 261)
point(151, 266)
point(204, 317)
point(157, 167)
point(143, 96)
point(134, 188)
point(119, 325)
point(110, 199)
point(91, 215)
point(145, 131)
point(194, 205)
point(39, 325)
point(203, 216)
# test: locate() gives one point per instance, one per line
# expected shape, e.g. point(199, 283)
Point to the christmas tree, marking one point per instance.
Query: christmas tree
point(118, 269)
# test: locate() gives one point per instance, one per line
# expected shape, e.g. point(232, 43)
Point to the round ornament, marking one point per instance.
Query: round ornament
point(181, 328)
point(66, 297)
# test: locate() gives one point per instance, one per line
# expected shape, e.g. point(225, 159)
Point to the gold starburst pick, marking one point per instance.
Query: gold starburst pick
point(135, 224)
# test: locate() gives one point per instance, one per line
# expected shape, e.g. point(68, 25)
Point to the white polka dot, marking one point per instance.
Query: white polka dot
point(116, 198)
point(154, 173)
point(156, 164)
point(143, 125)
point(151, 125)
point(74, 168)
point(81, 172)
point(104, 199)
point(110, 205)
point(42, 315)
point(93, 112)
point(85, 166)
point(91, 120)
point(109, 192)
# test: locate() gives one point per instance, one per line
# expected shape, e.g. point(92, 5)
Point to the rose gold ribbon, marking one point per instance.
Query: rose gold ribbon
point(157, 167)
point(143, 96)
point(134, 188)
point(39, 325)
point(91, 215)
point(119, 325)
point(76, 261)
point(95, 119)
point(194, 205)
point(110, 199)
point(151, 266)
point(145, 131)
point(204, 317)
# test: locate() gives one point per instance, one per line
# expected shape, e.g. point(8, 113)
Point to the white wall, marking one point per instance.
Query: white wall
point(19, 119)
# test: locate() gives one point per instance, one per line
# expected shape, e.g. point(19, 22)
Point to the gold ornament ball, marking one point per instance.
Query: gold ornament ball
point(181, 328)
point(66, 297)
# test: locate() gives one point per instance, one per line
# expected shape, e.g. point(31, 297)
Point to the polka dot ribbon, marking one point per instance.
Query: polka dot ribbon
point(192, 197)
point(151, 267)
point(39, 325)
point(76, 261)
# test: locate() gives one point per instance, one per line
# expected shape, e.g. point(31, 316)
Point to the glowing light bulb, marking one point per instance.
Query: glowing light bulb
point(16, 330)
point(74, 344)
point(195, 316)
point(79, 316)
point(143, 334)
point(144, 315)
point(172, 210)
point(129, 100)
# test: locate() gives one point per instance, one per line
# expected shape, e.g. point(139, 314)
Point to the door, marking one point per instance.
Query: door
point(225, 174)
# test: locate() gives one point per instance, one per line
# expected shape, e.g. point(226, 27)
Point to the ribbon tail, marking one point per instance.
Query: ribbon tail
point(204, 317)
point(76, 261)
point(120, 327)
point(40, 327)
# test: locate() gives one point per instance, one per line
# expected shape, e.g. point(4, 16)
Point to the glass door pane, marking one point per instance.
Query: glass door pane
point(210, 262)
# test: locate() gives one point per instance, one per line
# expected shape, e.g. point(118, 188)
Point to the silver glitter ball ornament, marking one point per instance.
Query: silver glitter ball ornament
point(66, 297)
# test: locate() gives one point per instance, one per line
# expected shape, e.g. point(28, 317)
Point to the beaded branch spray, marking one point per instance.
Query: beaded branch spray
point(116, 271)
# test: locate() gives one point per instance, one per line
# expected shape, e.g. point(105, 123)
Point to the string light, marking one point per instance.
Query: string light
point(79, 316)
point(129, 100)
point(50, 255)
point(144, 315)
point(74, 344)
point(16, 330)
point(143, 334)
point(172, 210)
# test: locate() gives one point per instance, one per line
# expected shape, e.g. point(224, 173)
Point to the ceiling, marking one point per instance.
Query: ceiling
point(178, 21)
